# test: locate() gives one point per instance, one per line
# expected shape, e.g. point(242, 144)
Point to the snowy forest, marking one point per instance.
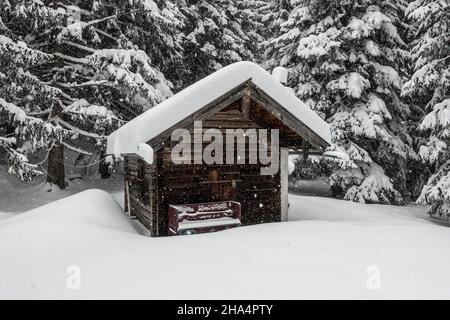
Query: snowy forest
point(72, 72)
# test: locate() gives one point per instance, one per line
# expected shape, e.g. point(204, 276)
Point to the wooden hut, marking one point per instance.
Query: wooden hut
point(176, 198)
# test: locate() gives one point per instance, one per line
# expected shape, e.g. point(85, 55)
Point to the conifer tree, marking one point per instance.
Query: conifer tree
point(429, 88)
point(273, 14)
point(99, 78)
point(214, 38)
point(253, 13)
point(344, 61)
point(25, 106)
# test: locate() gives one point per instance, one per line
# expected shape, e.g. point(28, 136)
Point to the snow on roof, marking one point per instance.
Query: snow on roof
point(280, 74)
point(168, 113)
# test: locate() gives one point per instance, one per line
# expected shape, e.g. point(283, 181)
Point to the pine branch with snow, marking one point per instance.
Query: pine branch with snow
point(130, 71)
point(437, 192)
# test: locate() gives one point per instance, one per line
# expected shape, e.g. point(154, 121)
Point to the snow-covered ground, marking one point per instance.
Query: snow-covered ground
point(17, 196)
point(5, 214)
point(328, 249)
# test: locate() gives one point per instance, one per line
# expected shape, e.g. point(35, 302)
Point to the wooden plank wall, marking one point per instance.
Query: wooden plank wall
point(142, 190)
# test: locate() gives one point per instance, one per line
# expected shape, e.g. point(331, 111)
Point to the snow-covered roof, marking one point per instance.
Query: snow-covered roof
point(165, 115)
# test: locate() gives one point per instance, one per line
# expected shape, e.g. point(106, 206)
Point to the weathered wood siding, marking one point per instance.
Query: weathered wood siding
point(140, 177)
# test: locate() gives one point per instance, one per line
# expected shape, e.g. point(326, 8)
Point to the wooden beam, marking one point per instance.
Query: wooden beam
point(305, 151)
point(286, 117)
point(284, 164)
point(247, 91)
point(245, 105)
point(201, 114)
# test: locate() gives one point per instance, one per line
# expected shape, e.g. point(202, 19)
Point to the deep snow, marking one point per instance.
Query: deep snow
point(324, 251)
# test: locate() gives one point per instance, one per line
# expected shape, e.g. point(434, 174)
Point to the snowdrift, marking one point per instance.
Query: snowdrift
point(329, 249)
point(88, 210)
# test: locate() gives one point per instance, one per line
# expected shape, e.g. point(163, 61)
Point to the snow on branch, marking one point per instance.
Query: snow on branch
point(16, 114)
point(78, 150)
point(438, 118)
point(19, 165)
point(77, 131)
point(18, 53)
point(352, 84)
point(131, 72)
point(376, 187)
point(75, 31)
point(318, 45)
point(437, 192)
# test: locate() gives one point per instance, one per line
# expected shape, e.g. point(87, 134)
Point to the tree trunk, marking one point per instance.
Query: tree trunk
point(103, 167)
point(55, 166)
point(305, 150)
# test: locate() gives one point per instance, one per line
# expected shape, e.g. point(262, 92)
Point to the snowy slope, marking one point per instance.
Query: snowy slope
point(323, 252)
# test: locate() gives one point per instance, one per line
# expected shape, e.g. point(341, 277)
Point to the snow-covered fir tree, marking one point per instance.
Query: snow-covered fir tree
point(27, 102)
point(252, 12)
point(214, 37)
point(100, 76)
point(429, 88)
point(153, 26)
point(273, 15)
point(345, 62)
